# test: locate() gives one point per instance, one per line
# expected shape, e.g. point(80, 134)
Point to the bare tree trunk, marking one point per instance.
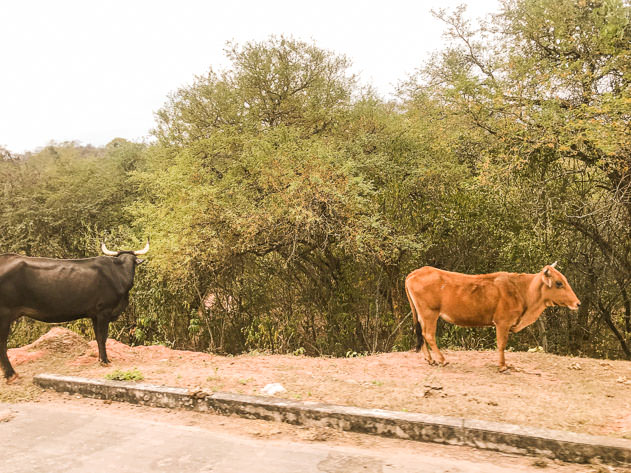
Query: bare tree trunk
point(606, 314)
point(544, 336)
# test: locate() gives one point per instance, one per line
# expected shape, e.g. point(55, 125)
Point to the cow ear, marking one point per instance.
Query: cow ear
point(140, 261)
point(547, 280)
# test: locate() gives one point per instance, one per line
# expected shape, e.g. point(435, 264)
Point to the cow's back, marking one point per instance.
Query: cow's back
point(53, 290)
point(462, 299)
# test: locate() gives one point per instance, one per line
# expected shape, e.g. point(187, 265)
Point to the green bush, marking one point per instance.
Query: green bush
point(129, 375)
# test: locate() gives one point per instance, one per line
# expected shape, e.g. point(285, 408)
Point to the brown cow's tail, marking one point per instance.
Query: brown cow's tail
point(418, 330)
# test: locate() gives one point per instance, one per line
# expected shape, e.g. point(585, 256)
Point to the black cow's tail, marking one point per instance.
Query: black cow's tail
point(418, 330)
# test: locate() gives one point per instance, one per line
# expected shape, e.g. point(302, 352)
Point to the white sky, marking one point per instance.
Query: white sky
point(92, 71)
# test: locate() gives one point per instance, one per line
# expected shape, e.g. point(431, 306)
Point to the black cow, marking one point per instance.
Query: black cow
point(61, 290)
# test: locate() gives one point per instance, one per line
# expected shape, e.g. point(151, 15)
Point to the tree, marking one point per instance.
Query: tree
point(275, 82)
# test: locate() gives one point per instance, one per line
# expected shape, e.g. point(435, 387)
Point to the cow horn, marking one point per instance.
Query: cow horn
point(144, 250)
point(108, 252)
point(553, 264)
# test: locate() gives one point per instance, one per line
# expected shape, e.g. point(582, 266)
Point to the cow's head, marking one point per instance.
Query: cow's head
point(127, 254)
point(556, 290)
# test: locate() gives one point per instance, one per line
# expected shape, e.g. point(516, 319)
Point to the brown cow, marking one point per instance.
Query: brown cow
point(509, 301)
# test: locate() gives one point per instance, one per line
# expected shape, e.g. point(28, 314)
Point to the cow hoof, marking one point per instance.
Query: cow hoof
point(444, 363)
point(104, 363)
point(431, 362)
point(12, 379)
point(505, 369)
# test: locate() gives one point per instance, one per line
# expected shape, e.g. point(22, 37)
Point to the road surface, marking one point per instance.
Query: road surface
point(56, 437)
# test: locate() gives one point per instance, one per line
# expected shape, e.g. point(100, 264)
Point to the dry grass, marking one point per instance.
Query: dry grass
point(576, 394)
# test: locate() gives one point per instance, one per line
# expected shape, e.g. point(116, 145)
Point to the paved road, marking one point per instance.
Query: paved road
point(42, 438)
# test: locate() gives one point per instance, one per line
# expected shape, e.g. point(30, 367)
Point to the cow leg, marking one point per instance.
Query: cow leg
point(5, 325)
point(429, 333)
point(427, 354)
point(502, 339)
point(101, 326)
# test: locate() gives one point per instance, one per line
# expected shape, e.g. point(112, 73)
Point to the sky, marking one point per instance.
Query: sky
point(91, 71)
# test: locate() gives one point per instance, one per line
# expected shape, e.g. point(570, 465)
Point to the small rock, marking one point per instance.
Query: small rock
point(430, 390)
point(433, 386)
point(199, 394)
point(273, 388)
point(575, 366)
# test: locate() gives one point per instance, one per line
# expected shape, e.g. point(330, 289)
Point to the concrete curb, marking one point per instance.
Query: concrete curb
point(566, 446)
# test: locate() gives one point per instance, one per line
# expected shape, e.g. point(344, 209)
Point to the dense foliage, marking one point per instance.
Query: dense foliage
point(286, 204)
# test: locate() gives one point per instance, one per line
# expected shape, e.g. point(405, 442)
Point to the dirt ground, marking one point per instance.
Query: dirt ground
point(564, 393)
